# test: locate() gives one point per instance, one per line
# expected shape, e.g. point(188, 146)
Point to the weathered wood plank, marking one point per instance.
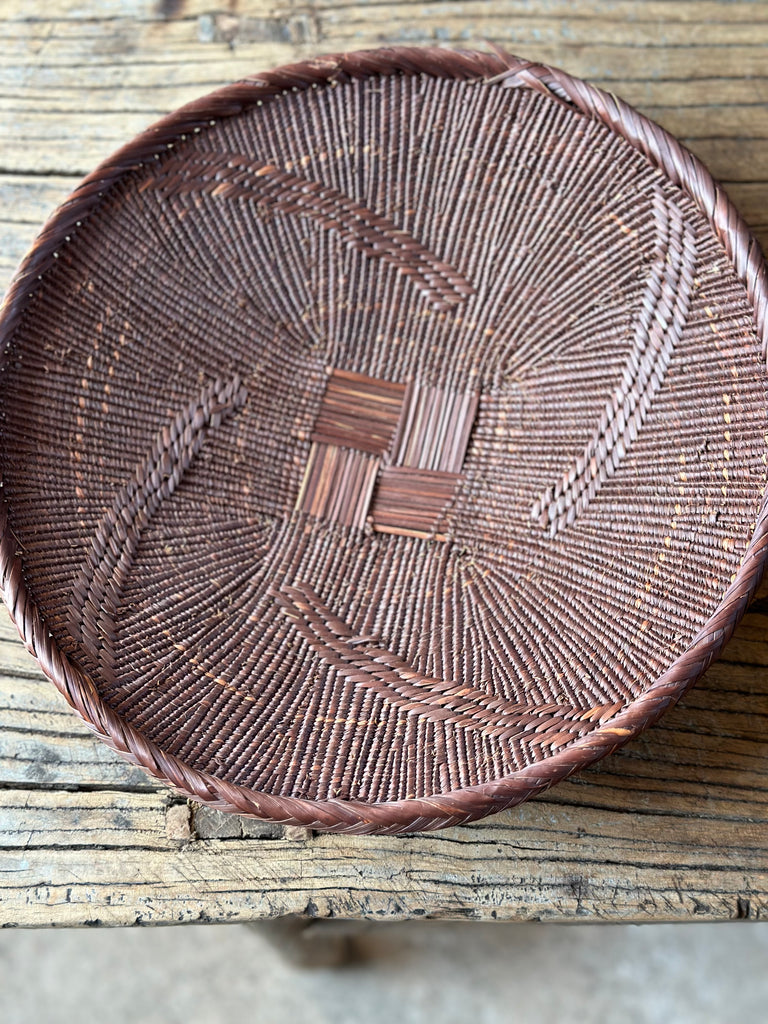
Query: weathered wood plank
point(41, 820)
point(34, 756)
point(712, 93)
point(261, 22)
point(659, 12)
point(732, 160)
point(747, 121)
point(472, 21)
point(25, 203)
point(667, 38)
point(14, 658)
point(539, 862)
point(26, 200)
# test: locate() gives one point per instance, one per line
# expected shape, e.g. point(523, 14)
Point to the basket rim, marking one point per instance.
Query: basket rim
point(464, 804)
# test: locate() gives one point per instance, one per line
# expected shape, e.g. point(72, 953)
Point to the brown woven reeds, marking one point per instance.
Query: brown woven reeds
point(384, 437)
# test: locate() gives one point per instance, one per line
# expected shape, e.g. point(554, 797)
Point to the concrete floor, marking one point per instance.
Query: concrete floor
point(408, 973)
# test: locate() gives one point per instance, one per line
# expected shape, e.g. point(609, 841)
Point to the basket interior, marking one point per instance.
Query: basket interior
point(384, 439)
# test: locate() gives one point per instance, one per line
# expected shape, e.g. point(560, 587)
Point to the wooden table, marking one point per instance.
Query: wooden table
point(675, 827)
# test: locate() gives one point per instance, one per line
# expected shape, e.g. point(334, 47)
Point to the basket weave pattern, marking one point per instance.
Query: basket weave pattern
point(385, 438)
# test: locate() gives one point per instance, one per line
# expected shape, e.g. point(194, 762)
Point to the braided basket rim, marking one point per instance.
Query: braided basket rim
point(460, 805)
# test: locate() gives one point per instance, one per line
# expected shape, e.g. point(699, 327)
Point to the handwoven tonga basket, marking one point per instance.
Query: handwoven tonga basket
point(384, 438)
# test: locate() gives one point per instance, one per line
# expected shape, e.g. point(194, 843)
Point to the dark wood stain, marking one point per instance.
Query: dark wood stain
point(168, 9)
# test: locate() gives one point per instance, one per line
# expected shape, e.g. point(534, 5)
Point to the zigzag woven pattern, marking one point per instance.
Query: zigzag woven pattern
point(97, 588)
point(274, 190)
point(660, 322)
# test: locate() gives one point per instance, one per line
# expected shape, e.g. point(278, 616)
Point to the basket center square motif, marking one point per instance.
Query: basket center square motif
point(386, 454)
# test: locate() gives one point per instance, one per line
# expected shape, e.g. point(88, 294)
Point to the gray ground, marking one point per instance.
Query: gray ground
point(407, 973)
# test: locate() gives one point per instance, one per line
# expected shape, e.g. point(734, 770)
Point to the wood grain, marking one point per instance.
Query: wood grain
point(674, 827)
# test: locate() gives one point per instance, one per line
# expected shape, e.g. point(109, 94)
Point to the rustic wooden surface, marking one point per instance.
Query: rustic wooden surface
point(675, 827)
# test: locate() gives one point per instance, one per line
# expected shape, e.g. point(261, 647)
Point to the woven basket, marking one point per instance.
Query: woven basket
point(384, 438)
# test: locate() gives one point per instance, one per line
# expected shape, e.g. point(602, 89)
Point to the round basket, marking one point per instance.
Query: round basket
point(383, 438)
